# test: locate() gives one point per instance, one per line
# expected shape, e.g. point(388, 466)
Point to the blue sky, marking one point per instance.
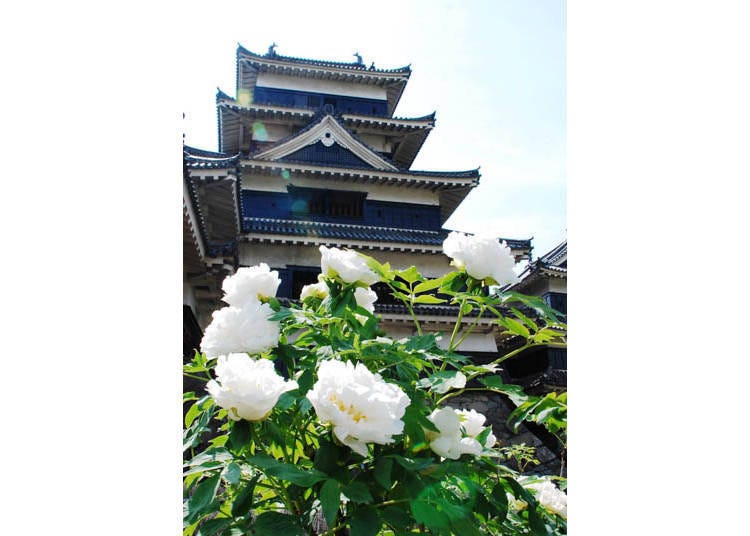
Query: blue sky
point(493, 71)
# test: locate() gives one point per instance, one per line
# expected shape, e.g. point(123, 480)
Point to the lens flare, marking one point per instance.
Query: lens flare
point(300, 206)
point(285, 174)
point(259, 131)
point(244, 97)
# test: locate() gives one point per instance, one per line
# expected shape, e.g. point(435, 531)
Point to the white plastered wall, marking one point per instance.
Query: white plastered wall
point(332, 87)
point(376, 192)
point(283, 255)
point(273, 132)
point(558, 285)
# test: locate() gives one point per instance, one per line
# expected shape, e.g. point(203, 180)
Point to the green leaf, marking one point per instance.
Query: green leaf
point(428, 285)
point(514, 392)
point(421, 342)
point(203, 495)
point(365, 522)
point(196, 409)
point(382, 472)
point(427, 298)
point(239, 436)
point(212, 526)
point(499, 501)
point(514, 326)
point(410, 275)
point(211, 455)
point(330, 497)
point(357, 492)
point(305, 381)
point(453, 282)
point(280, 315)
point(427, 514)
point(413, 464)
point(440, 382)
point(522, 413)
point(466, 308)
point(276, 524)
point(285, 471)
point(396, 517)
point(244, 499)
point(327, 457)
point(232, 473)
point(287, 400)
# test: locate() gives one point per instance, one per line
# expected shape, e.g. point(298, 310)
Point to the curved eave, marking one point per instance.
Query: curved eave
point(539, 271)
point(195, 158)
point(427, 180)
point(379, 124)
point(228, 164)
point(290, 61)
point(283, 239)
point(314, 233)
point(556, 255)
point(250, 64)
point(409, 133)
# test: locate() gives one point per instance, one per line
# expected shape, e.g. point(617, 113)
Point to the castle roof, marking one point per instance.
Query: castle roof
point(412, 131)
point(327, 130)
point(553, 264)
point(249, 64)
point(201, 159)
point(353, 235)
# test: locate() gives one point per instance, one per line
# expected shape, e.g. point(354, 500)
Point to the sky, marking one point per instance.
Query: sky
point(657, 173)
point(494, 71)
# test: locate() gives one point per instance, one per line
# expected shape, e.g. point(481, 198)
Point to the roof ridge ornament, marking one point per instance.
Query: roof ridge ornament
point(272, 50)
point(359, 58)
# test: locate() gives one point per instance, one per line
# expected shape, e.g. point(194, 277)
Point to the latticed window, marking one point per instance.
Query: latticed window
point(327, 203)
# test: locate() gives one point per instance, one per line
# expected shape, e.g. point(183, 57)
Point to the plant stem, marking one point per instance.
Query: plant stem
point(458, 323)
point(471, 327)
point(414, 317)
point(331, 532)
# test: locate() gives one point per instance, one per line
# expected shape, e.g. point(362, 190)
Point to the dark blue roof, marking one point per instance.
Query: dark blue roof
point(322, 113)
point(321, 63)
point(235, 106)
point(343, 231)
point(220, 95)
point(202, 159)
point(355, 232)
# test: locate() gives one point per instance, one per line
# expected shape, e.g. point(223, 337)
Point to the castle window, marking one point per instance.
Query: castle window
point(326, 204)
point(302, 276)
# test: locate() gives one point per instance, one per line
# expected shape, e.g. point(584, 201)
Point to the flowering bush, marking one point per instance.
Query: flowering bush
point(315, 422)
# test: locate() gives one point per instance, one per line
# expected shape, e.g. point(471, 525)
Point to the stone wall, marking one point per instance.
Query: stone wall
point(497, 408)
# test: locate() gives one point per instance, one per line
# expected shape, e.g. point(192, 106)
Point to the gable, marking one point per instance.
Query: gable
point(325, 141)
point(326, 155)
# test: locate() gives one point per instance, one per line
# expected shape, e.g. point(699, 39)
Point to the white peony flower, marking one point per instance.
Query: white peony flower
point(246, 388)
point(318, 290)
point(473, 423)
point(246, 329)
point(250, 285)
point(450, 442)
point(347, 264)
point(361, 406)
point(481, 257)
point(366, 298)
point(549, 496)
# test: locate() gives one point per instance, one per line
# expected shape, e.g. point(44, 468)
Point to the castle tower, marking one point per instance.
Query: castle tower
point(310, 154)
